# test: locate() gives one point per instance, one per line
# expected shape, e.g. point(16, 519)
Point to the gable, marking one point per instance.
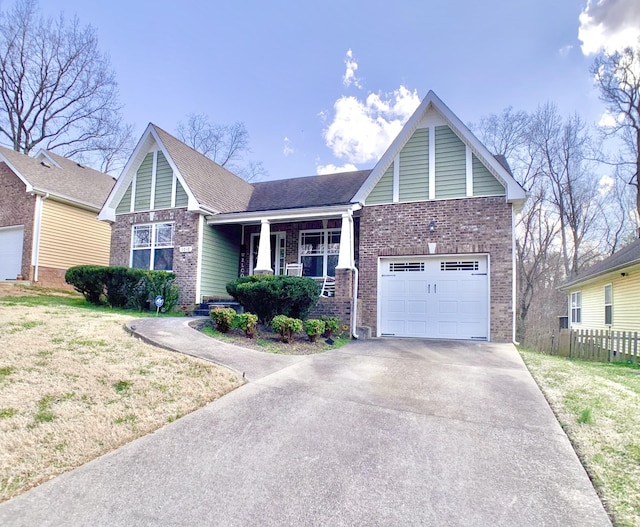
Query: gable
point(443, 168)
point(436, 156)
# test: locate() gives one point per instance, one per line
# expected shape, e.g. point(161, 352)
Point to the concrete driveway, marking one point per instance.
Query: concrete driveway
point(384, 432)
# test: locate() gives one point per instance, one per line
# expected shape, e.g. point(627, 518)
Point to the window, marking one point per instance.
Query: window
point(460, 266)
point(576, 307)
point(278, 251)
point(319, 251)
point(608, 304)
point(152, 246)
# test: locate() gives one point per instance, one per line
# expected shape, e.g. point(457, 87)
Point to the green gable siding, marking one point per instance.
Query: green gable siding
point(125, 203)
point(414, 167)
point(143, 184)
point(182, 200)
point(164, 181)
point(451, 178)
point(484, 183)
point(383, 191)
point(220, 259)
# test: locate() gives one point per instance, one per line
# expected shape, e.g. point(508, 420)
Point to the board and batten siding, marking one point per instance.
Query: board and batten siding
point(448, 168)
point(414, 167)
point(451, 178)
point(484, 183)
point(143, 184)
point(166, 183)
point(383, 191)
point(626, 303)
point(71, 236)
point(220, 259)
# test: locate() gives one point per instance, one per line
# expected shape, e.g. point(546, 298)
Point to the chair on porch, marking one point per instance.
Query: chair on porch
point(328, 286)
point(293, 269)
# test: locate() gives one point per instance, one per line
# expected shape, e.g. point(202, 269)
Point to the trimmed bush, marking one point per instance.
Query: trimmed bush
point(314, 328)
point(268, 295)
point(162, 283)
point(119, 284)
point(286, 326)
point(331, 325)
point(223, 318)
point(88, 280)
point(247, 322)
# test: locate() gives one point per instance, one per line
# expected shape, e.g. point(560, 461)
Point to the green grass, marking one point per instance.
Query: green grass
point(5, 413)
point(598, 406)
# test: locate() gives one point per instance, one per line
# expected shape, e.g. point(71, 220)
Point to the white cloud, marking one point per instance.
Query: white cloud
point(349, 76)
point(361, 131)
point(609, 25)
point(565, 50)
point(333, 169)
point(607, 120)
point(287, 149)
point(605, 185)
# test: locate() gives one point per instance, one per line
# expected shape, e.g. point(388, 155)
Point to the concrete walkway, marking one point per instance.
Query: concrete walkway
point(384, 432)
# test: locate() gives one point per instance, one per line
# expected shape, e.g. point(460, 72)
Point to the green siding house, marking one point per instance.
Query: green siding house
point(421, 245)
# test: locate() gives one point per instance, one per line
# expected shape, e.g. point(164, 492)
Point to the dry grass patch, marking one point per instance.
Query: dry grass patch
point(74, 385)
point(598, 406)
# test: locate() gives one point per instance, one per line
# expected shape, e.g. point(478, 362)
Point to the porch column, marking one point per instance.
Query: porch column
point(345, 256)
point(263, 265)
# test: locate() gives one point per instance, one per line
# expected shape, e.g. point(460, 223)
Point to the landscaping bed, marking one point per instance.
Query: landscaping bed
point(268, 341)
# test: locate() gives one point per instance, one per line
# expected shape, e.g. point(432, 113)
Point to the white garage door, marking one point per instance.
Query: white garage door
point(434, 297)
point(11, 252)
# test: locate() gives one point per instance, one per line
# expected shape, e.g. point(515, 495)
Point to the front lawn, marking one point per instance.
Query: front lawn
point(74, 385)
point(598, 405)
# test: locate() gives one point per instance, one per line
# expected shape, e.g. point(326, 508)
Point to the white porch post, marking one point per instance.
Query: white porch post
point(263, 265)
point(345, 256)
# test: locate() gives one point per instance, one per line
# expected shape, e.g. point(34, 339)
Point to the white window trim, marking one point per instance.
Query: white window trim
point(577, 308)
point(153, 237)
point(325, 253)
point(610, 305)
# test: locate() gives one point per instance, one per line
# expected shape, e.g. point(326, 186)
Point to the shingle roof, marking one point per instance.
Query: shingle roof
point(212, 185)
point(72, 181)
point(626, 256)
point(311, 191)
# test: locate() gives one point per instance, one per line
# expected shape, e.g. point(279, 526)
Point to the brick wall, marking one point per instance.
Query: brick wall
point(186, 234)
point(471, 225)
point(53, 277)
point(17, 208)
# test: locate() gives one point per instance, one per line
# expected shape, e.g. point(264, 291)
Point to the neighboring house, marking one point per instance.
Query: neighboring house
point(420, 246)
point(48, 217)
point(607, 295)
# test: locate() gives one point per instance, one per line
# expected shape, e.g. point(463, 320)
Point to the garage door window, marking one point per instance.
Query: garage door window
point(468, 265)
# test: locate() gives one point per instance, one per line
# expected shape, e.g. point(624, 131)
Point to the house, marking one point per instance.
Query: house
point(607, 294)
point(420, 246)
point(48, 217)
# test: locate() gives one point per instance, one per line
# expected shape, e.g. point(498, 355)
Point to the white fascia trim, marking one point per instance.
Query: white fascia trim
point(17, 173)
point(66, 199)
point(469, 170)
point(396, 179)
point(43, 153)
point(201, 227)
point(275, 216)
point(432, 162)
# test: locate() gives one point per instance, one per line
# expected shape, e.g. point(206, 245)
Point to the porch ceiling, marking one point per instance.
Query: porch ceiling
point(283, 215)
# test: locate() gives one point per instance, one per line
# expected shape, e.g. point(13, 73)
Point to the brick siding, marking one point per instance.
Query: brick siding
point(185, 264)
point(17, 208)
point(463, 226)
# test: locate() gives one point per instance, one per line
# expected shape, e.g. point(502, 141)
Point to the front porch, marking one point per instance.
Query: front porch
point(324, 243)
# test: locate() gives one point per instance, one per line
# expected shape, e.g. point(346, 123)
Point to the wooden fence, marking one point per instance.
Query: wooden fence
point(597, 345)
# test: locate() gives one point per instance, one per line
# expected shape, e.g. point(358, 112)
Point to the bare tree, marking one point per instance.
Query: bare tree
point(57, 90)
point(618, 78)
point(223, 144)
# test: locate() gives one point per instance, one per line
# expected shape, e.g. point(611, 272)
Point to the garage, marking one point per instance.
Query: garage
point(434, 297)
point(11, 251)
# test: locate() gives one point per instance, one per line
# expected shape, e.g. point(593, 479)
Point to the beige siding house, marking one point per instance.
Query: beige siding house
point(607, 295)
point(48, 217)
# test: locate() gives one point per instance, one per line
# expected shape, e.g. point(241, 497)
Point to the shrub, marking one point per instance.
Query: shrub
point(268, 295)
point(223, 318)
point(247, 322)
point(314, 328)
point(286, 326)
point(119, 283)
point(331, 325)
point(88, 280)
point(162, 283)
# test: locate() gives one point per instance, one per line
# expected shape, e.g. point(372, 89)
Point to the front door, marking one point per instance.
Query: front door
point(278, 252)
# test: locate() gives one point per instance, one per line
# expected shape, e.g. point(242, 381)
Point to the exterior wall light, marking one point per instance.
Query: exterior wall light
point(432, 226)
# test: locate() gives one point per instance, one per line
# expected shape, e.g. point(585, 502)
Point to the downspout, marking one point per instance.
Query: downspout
point(36, 234)
point(354, 308)
point(514, 274)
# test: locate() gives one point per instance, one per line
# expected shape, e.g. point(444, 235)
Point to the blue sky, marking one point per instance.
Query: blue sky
point(281, 67)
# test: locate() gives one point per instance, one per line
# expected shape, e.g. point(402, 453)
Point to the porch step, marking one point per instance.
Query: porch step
point(203, 309)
